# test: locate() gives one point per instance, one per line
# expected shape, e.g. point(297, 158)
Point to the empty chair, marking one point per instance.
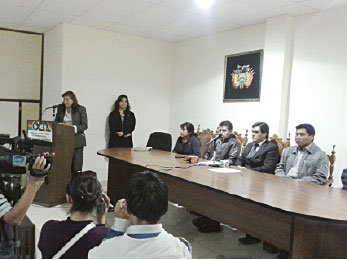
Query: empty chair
point(160, 141)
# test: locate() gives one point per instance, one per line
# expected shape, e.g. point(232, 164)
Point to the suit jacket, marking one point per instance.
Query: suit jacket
point(117, 125)
point(313, 168)
point(264, 160)
point(79, 119)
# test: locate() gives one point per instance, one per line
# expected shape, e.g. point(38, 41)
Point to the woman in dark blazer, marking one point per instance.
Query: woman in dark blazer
point(188, 143)
point(75, 115)
point(122, 123)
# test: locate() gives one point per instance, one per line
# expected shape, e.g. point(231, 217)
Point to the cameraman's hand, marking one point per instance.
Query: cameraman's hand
point(120, 210)
point(39, 164)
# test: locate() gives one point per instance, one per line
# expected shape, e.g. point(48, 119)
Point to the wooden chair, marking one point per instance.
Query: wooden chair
point(204, 136)
point(332, 159)
point(243, 140)
point(280, 143)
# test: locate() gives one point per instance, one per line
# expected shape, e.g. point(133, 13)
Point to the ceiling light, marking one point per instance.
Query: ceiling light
point(204, 3)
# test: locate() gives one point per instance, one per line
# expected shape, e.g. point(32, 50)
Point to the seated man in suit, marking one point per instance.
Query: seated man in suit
point(227, 147)
point(261, 156)
point(304, 161)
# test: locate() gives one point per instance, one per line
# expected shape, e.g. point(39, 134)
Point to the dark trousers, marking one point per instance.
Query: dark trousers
point(77, 160)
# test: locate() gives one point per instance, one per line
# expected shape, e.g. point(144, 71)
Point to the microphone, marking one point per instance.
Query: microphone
point(214, 139)
point(55, 106)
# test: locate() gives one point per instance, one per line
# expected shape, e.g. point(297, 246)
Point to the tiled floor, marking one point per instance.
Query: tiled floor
point(177, 221)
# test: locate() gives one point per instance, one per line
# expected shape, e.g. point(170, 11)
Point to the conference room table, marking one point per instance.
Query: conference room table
point(308, 220)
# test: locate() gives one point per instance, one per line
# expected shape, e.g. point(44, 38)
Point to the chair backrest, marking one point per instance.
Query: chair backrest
point(332, 159)
point(204, 137)
point(160, 141)
point(280, 143)
point(243, 140)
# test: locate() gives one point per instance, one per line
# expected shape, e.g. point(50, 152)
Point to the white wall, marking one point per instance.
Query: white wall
point(52, 71)
point(197, 91)
point(319, 86)
point(100, 65)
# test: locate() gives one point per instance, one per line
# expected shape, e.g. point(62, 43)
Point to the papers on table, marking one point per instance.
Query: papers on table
point(209, 163)
point(142, 149)
point(224, 170)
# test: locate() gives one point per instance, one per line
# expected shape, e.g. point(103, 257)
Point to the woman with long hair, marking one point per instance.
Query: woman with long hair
point(73, 114)
point(122, 124)
point(74, 237)
point(187, 143)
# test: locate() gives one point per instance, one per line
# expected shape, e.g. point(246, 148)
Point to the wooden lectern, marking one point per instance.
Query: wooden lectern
point(63, 146)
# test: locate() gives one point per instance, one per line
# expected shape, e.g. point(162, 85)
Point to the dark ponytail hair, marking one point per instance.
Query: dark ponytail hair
point(85, 190)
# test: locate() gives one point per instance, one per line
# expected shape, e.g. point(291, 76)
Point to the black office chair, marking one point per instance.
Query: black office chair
point(160, 141)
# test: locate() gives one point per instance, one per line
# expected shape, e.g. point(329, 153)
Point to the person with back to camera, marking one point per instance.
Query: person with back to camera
point(146, 200)
point(75, 236)
point(121, 123)
point(187, 143)
point(75, 115)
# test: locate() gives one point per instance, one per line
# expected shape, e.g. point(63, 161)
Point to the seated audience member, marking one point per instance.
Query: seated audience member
point(344, 179)
point(260, 155)
point(84, 194)
point(225, 148)
point(304, 161)
point(146, 200)
point(188, 143)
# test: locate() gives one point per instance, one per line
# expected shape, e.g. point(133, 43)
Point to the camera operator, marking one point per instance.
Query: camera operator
point(13, 216)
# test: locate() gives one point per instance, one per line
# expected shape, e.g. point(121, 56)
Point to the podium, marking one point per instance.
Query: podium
point(63, 146)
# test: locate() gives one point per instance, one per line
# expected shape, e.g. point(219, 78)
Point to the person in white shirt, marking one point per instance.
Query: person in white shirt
point(137, 232)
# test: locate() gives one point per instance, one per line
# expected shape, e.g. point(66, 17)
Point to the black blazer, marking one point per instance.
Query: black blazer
point(79, 119)
point(116, 125)
point(264, 160)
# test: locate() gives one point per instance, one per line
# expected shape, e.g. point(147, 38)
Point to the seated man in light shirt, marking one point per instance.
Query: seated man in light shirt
point(146, 200)
point(305, 161)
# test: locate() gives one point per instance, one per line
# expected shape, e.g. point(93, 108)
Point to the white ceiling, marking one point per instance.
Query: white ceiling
point(168, 20)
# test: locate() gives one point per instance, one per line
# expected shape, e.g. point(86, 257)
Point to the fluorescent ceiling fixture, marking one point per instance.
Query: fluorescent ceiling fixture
point(204, 3)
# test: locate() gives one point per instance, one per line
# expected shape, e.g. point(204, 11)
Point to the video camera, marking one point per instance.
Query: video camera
point(13, 160)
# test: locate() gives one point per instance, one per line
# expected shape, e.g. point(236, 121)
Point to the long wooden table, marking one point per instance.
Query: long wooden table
point(308, 220)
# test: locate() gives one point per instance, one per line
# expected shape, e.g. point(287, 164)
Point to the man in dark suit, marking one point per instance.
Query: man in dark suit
point(261, 156)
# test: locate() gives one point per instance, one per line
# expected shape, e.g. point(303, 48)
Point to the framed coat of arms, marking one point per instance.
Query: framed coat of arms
point(242, 76)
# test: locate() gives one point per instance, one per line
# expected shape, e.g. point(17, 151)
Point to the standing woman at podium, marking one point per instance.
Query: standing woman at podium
point(75, 115)
point(122, 123)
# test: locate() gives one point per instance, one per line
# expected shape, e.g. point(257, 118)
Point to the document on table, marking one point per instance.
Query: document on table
point(224, 170)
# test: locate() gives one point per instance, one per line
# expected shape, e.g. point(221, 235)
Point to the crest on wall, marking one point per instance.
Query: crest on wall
point(242, 76)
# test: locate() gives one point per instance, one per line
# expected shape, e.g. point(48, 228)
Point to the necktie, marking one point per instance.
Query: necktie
point(253, 151)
